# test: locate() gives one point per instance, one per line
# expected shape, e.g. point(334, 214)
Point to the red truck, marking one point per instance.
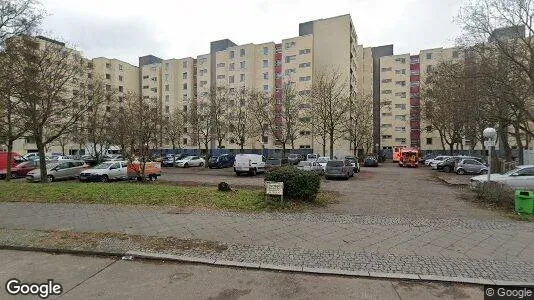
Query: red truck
point(409, 157)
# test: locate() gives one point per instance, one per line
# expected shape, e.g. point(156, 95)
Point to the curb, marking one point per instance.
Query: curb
point(271, 267)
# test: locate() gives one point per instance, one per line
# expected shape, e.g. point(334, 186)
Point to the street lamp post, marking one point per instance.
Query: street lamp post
point(490, 135)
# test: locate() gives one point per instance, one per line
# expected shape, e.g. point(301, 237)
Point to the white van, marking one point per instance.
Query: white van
point(249, 163)
point(312, 157)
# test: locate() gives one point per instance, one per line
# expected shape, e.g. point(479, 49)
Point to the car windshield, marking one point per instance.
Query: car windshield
point(188, 158)
point(304, 163)
point(512, 171)
point(214, 158)
point(323, 159)
point(335, 163)
point(102, 166)
point(273, 161)
point(292, 156)
point(24, 164)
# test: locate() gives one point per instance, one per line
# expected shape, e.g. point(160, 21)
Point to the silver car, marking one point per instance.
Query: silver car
point(311, 166)
point(338, 169)
point(469, 165)
point(65, 169)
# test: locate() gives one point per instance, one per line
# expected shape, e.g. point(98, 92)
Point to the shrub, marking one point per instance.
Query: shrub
point(297, 184)
point(496, 194)
point(223, 187)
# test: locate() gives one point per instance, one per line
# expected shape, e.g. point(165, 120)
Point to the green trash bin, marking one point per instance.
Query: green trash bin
point(524, 202)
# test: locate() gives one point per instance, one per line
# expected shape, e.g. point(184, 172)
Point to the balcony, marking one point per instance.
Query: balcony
point(414, 77)
point(415, 135)
point(414, 89)
point(414, 124)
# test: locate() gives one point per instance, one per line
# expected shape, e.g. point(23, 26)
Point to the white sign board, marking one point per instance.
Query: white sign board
point(489, 143)
point(274, 188)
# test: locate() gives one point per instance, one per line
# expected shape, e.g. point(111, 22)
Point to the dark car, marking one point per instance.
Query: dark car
point(449, 164)
point(294, 159)
point(20, 170)
point(354, 162)
point(272, 163)
point(223, 161)
point(370, 161)
point(338, 169)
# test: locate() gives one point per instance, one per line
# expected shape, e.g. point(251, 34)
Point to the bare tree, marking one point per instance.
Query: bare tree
point(174, 127)
point(241, 123)
point(18, 17)
point(258, 106)
point(330, 103)
point(359, 127)
point(218, 106)
point(49, 91)
point(201, 123)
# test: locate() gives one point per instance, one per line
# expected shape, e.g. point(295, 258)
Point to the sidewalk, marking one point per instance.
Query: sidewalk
point(424, 248)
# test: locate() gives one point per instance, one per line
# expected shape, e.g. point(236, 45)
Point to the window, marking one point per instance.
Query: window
point(386, 126)
point(231, 54)
point(231, 67)
point(120, 67)
point(203, 83)
point(428, 128)
point(304, 146)
point(386, 91)
point(108, 76)
point(166, 77)
point(265, 87)
point(386, 80)
point(305, 132)
point(145, 77)
point(305, 92)
point(290, 71)
point(220, 65)
point(429, 141)
point(400, 71)
point(400, 94)
point(265, 63)
point(400, 117)
point(304, 51)
point(184, 64)
point(166, 87)
point(108, 87)
point(386, 114)
point(290, 58)
point(154, 79)
point(429, 68)
point(185, 86)
point(167, 98)
point(120, 78)
point(266, 75)
point(242, 52)
point(154, 90)
point(89, 75)
point(153, 69)
point(400, 106)
point(242, 64)
point(290, 45)
point(220, 76)
point(385, 103)
point(184, 141)
point(185, 129)
point(401, 60)
point(108, 65)
point(400, 140)
point(414, 83)
point(454, 54)
point(305, 65)
point(121, 88)
point(184, 75)
point(185, 108)
point(265, 50)
point(526, 172)
point(385, 137)
point(305, 78)
point(429, 56)
point(167, 109)
point(241, 77)
point(166, 66)
point(400, 83)
point(184, 97)
point(400, 129)
point(145, 87)
point(386, 69)
point(230, 79)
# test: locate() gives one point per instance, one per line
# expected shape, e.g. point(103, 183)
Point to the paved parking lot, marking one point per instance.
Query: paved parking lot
point(384, 191)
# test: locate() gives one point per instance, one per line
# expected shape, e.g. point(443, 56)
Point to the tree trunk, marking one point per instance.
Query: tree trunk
point(519, 143)
point(42, 161)
point(9, 159)
point(324, 144)
point(451, 149)
point(331, 144)
point(283, 149)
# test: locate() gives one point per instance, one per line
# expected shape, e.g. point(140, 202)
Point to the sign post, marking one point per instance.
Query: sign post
point(490, 135)
point(273, 188)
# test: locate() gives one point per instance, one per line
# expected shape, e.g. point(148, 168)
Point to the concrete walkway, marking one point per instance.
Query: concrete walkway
point(492, 250)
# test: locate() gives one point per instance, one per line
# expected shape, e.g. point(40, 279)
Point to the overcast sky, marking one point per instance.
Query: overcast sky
point(127, 29)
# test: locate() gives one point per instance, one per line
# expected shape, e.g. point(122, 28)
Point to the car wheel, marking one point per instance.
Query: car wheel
point(322, 172)
point(14, 175)
point(446, 169)
point(152, 177)
point(254, 172)
point(50, 178)
point(484, 172)
point(186, 165)
point(104, 178)
point(460, 171)
point(201, 164)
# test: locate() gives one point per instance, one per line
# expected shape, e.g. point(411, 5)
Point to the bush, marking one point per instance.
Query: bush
point(496, 194)
point(297, 184)
point(223, 187)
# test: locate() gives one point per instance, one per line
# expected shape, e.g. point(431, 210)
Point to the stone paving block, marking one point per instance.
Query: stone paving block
point(280, 267)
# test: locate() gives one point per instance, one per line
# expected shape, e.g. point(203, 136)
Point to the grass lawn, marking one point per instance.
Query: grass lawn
point(134, 193)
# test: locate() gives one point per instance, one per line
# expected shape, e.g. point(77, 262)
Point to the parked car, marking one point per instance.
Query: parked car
point(31, 156)
point(20, 170)
point(66, 169)
point(170, 160)
point(191, 161)
point(322, 161)
point(106, 171)
point(16, 158)
point(249, 163)
point(426, 157)
point(311, 166)
point(152, 170)
point(294, 159)
point(434, 162)
point(273, 162)
point(354, 162)
point(449, 165)
point(222, 161)
point(338, 169)
point(522, 177)
point(370, 161)
point(469, 165)
point(312, 156)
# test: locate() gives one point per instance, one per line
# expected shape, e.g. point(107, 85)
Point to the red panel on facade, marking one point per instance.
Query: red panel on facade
point(415, 102)
point(414, 66)
point(414, 89)
point(414, 78)
point(414, 124)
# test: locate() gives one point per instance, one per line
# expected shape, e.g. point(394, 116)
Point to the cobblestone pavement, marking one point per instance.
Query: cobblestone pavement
point(441, 247)
point(384, 191)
